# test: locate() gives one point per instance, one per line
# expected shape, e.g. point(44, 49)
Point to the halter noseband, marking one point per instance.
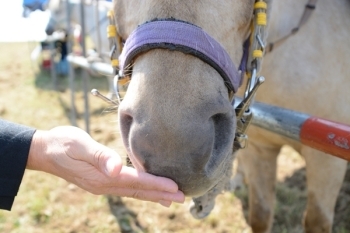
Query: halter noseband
point(180, 36)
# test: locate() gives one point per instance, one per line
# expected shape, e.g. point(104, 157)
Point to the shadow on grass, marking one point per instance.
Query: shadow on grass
point(68, 108)
point(43, 81)
point(291, 201)
point(127, 219)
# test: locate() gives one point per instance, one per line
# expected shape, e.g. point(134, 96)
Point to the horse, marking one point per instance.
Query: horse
point(176, 119)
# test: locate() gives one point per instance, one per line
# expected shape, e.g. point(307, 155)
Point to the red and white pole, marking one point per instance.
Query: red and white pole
point(327, 136)
point(321, 134)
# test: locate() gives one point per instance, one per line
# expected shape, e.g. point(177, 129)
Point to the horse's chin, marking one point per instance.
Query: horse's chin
point(188, 190)
point(202, 205)
point(195, 184)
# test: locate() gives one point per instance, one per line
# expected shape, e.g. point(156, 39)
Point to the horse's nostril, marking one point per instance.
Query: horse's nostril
point(224, 126)
point(222, 123)
point(125, 124)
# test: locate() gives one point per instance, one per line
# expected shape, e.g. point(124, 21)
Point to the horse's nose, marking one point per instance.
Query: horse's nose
point(190, 148)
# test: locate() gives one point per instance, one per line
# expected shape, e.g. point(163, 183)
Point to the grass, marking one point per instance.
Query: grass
point(49, 204)
point(46, 203)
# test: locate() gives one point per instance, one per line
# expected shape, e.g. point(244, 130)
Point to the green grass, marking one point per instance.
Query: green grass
point(51, 205)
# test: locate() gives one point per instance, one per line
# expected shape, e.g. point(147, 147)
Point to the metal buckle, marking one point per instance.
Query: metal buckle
point(244, 114)
point(121, 84)
point(257, 49)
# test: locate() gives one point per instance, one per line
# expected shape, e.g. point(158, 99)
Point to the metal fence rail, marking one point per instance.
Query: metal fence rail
point(100, 67)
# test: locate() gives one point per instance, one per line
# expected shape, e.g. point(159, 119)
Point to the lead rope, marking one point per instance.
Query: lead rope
point(309, 8)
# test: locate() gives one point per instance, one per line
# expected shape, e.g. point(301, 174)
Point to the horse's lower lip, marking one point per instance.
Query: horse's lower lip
point(138, 166)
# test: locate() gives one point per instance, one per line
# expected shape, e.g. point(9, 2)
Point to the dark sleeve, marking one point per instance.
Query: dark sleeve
point(15, 143)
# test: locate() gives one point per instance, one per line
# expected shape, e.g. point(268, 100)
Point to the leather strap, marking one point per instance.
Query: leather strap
point(181, 36)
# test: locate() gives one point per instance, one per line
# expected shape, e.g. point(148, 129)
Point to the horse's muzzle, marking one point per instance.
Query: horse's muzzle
point(195, 152)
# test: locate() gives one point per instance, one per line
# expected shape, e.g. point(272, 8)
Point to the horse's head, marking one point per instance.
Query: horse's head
point(176, 118)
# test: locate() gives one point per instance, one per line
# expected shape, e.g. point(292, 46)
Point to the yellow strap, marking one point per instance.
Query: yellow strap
point(115, 62)
point(261, 18)
point(257, 54)
point(110, 13)
point(111, 31)
point(260, 5)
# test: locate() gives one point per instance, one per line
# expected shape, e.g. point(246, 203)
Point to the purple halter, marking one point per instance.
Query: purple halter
point(180, 36)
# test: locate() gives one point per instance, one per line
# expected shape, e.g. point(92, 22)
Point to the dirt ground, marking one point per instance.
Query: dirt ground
point(50, 204)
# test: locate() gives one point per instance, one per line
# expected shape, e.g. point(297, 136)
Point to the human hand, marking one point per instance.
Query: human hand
point(70, 153)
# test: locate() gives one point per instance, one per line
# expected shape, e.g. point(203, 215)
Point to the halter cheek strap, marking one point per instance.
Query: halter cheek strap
point(180, 36)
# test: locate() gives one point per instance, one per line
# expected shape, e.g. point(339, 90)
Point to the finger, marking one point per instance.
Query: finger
point(149, 195)
point(146, 195)
point(102, 187)
point(113, 166)
point(165, 203)
point(106, 160)
point(131, 178)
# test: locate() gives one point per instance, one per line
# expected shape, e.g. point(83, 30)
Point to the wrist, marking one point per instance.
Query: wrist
point(36, 156)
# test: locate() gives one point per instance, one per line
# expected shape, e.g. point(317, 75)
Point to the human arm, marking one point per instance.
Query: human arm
point(70, 153)
point(15, 141)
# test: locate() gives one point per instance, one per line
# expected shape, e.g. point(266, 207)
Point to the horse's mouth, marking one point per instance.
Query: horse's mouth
point(201, 205)
point(192, 184)
point(133, 162)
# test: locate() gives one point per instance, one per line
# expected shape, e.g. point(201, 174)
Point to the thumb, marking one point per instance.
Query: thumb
point(113, 166)
point(108, 162)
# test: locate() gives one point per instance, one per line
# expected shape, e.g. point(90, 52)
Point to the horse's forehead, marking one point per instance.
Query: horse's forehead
point(232, 13)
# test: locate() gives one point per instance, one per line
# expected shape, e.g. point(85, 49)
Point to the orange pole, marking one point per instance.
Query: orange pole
point(327, 136)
